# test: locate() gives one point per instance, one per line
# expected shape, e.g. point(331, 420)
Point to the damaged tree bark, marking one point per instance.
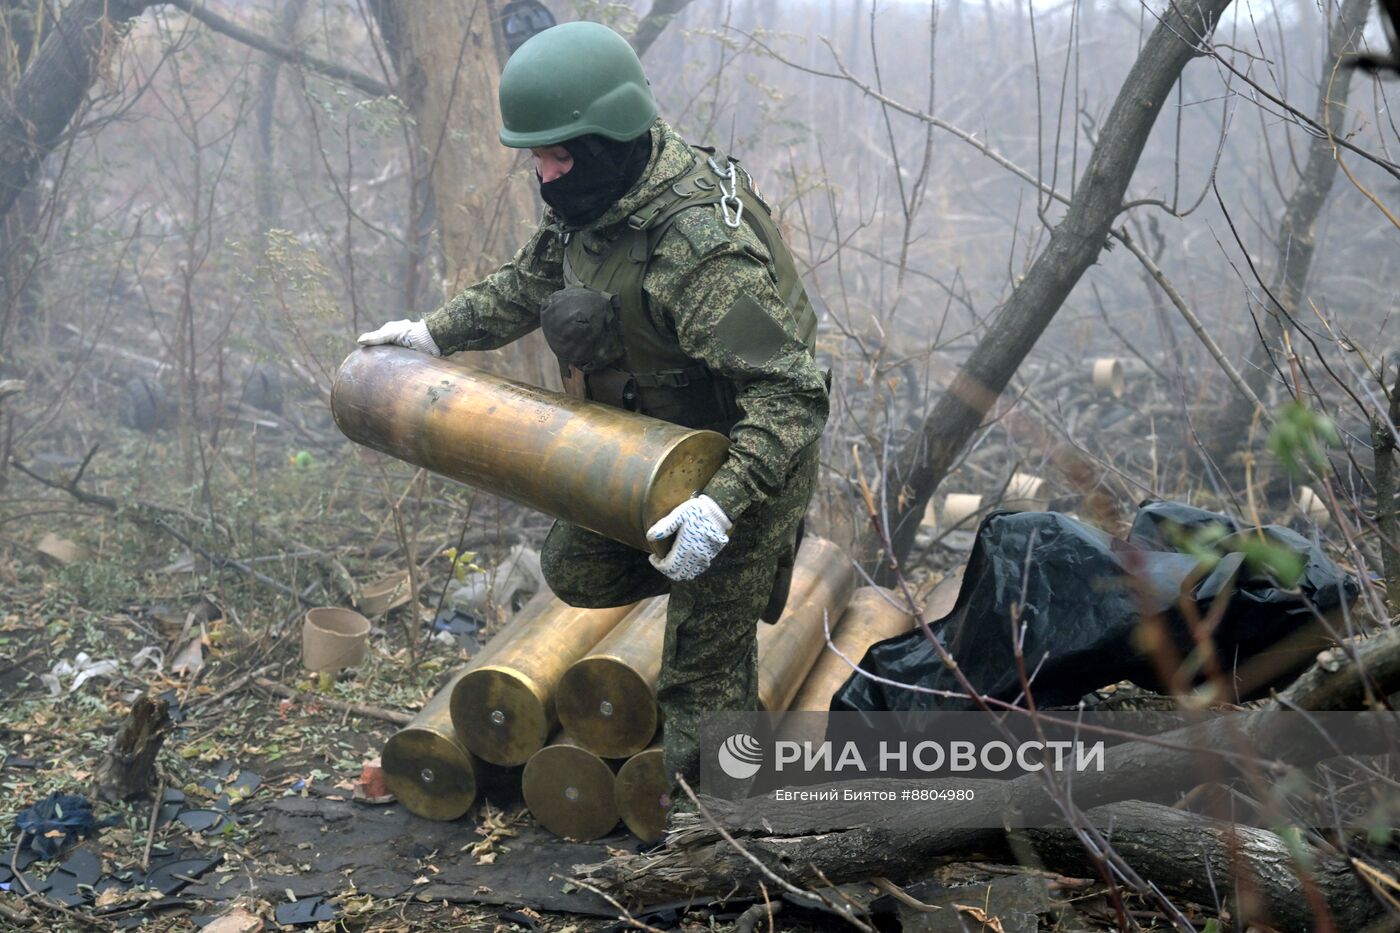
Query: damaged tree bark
point(129, 767)
point(1074, 245)
point(1251, 872)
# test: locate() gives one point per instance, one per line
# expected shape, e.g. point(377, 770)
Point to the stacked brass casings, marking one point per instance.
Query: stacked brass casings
point(607, 700)
point(426, 766)
point(643, 794)
point(874, 614)
point(504, 709)
point(570, 790)
point(822, 581)
point(608, 470)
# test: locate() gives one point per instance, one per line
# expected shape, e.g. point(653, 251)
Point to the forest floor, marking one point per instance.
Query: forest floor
point(151, 589)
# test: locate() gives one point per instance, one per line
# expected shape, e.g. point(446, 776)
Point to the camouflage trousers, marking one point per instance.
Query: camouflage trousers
point(710, 661)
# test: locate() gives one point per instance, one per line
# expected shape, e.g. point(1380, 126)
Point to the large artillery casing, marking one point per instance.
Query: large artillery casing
point(643, 794)
point(822, 581)
point(426, 766)
point(874, 614)
point(504, 710)
point(570, 791)
point(608, 470)
point(607, 700)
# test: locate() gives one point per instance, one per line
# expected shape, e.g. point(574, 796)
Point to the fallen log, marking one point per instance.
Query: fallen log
point(835, 841)
point(1353, 676)
point(1252, 873)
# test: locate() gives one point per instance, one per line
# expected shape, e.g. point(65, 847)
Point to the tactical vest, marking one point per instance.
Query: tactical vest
point(655, 376)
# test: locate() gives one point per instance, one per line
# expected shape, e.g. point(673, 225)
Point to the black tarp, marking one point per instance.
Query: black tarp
point(1082, 595)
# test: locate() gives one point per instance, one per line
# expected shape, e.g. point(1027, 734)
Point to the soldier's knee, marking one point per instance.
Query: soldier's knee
point(565, 581)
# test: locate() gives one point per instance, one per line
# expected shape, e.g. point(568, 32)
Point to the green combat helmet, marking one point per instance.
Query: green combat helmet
point(573, 79)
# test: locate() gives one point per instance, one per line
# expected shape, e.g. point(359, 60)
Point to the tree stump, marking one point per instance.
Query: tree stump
point(128, 768)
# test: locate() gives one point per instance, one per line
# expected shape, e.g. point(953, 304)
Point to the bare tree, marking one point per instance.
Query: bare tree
point(1296, 239)
point(1075, 243)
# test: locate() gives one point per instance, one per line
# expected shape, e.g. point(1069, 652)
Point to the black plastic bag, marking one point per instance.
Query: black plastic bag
point(1081, 596)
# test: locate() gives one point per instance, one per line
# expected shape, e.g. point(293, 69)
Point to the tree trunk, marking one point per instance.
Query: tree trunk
point(1296, 239)
point(19, 248)
point(656, 20)
point(54, 86)
point(269, 202)
point(1074, 245)
point(445, 53)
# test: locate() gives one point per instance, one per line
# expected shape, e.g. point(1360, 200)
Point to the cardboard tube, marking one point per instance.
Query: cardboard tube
point(1311, 505)
point(390, 592)
point(1025, 493)
point(333, 639)
point(958, 507)
point(1108, 376)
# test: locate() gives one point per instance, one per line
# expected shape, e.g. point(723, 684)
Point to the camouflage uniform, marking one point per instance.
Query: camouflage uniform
point(699, 269)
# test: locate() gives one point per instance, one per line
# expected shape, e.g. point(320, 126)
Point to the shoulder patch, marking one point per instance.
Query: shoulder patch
point(749, 332)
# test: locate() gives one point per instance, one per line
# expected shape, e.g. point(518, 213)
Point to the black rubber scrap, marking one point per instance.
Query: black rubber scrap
point(172, 876)
point(304, 912)
point(203, 820)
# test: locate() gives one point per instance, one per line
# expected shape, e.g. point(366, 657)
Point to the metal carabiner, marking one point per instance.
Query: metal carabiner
point(729, 204)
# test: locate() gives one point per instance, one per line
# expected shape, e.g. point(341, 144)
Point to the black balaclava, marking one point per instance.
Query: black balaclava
point(603, 171)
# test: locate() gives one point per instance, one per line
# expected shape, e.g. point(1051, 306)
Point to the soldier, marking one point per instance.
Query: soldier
point(664, 287)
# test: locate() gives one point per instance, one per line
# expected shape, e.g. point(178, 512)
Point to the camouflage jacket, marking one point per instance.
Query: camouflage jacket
point(699, 269)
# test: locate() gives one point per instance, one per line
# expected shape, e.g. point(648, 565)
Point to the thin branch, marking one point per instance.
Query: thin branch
point(290, 54)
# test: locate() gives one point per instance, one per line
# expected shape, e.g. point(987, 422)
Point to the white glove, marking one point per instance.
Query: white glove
point(701, 529)
point(411, 334)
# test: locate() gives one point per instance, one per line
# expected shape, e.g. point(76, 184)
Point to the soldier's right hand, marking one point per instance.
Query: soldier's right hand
point(405, 333)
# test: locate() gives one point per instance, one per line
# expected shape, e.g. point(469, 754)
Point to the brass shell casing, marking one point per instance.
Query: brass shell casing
point(426, 766)
point(504, 710)
point(608, 470)
point(570, 791)
point(872, 615)
point(607, 700)
point(643, 794)
point(869, 618)
point(822, 581)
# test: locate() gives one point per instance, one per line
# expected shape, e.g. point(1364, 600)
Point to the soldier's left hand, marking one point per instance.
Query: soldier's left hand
point(701, 529)
point(411, 334)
